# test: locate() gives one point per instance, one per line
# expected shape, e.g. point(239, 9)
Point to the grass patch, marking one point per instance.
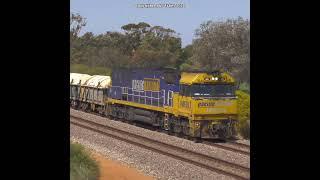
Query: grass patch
point(82, 166)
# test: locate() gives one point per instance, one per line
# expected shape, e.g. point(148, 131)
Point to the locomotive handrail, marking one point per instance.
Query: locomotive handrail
point(125, 91)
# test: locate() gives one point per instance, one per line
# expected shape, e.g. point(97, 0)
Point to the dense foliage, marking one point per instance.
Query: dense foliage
point(244, 114)
point(223, 45)
point(81, 68)
point(139, 45)
point(82, 167)
point(245, 87)
point(218, 45)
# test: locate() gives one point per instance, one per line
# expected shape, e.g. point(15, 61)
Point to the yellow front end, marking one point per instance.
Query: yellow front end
point(209, 116)
point(217, 118)
point(207, 109)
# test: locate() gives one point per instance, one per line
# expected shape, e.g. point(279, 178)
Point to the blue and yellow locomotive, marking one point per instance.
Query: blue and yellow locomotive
point(194, 104)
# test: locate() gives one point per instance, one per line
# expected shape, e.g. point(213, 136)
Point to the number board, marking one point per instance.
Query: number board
point(151, 84)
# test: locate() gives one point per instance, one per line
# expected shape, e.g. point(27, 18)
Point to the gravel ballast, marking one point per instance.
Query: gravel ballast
point(153, 164)
point(199, 147)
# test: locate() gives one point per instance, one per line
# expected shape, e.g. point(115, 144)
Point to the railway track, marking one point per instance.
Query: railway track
point(230, 146)
point(202, 160)
point(240, 144)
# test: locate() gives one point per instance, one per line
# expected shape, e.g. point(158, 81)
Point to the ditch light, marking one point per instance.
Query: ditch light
point(213, 78)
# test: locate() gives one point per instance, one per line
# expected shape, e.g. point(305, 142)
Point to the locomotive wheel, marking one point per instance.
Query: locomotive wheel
point(170, 133)
point(185, 136)
point(171, 129)
point(165, 131)
point(196, 139)
point(178, 134)
point(158, 128)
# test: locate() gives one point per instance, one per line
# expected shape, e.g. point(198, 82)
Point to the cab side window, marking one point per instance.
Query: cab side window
point(185, 90)
point(182, 89)
point(188, 91)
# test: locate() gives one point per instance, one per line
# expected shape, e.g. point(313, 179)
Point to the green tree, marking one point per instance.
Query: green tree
point(220, 45)
point(223, 45)
point(134, 35)
point(159, 47)
point(77, 22)
point(184, 60)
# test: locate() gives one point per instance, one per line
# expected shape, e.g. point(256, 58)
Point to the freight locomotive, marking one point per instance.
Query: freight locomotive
point(195, 104)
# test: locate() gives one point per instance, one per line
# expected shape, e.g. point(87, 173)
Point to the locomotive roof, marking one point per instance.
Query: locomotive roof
point(216, 72)
point(205, 78)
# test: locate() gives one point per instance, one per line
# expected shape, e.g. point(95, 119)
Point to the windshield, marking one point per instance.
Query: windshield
point(206, 90)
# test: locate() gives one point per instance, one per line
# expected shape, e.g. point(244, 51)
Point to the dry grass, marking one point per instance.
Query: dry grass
point(82, 166)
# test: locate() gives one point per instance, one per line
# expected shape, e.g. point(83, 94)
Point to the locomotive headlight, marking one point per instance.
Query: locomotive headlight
point(197, 124)
point(215, 78)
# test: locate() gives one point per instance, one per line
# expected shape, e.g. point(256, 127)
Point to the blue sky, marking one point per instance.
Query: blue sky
point(103, 15)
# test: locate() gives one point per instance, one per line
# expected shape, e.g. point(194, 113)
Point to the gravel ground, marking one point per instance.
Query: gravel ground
point(205, 149)
point(148, 162)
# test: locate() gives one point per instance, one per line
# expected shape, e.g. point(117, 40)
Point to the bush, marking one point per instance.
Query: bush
point(245, 87)
point(244, 130)
point(84, 69)
point(186, 67)
point(82, 166)
point(243, 126)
